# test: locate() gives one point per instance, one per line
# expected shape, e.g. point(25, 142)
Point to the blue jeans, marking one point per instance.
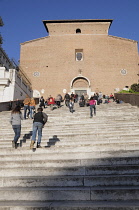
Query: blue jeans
point(37, 127)
point(31, 111)
point(67, 102)
point(71, 109)
point(17, 131)
point(26, 107)
point(91, 110)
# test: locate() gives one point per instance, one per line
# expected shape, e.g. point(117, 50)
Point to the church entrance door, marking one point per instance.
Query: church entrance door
point(80, 92)
point(80, 85)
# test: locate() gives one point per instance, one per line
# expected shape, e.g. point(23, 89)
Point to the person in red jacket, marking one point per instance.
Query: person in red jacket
point(51, 102)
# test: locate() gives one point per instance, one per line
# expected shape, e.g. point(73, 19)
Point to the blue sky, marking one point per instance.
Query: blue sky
point(23, 18)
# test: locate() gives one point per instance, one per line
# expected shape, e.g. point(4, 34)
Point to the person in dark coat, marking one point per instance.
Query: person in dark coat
point(67, 99)
point(40, 118)
point(42, 102)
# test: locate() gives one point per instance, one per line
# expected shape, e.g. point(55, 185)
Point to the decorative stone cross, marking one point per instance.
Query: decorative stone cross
point(80, 71)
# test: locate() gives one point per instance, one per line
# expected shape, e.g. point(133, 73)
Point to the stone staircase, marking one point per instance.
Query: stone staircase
point(85, 163)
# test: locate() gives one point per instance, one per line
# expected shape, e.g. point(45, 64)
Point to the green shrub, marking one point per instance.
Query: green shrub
point(135, 87)
point(125, 91)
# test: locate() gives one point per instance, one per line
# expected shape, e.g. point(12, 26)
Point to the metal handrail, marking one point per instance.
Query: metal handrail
point(22, 73)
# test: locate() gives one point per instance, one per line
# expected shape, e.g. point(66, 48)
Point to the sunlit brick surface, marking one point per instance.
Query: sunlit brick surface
point(51, 64)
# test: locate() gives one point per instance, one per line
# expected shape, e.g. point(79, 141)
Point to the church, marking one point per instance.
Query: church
point(79, 56)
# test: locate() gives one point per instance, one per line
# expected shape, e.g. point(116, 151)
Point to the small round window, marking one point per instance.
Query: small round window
point(36, 74)
point(123, 71)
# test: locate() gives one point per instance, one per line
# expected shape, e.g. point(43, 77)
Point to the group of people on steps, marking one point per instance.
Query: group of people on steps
point(40, 118)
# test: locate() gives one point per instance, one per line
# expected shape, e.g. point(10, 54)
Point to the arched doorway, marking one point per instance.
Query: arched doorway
point(80, 85)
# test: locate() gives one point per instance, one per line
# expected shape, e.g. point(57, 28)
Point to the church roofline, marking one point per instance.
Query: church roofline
point(33, 40)
point(126, 39)
point(75, 21)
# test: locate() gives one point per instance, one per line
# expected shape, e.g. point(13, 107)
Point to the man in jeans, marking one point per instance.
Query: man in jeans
point(40, 118)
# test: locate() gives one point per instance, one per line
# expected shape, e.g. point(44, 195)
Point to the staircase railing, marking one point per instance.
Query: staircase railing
point(22, 73)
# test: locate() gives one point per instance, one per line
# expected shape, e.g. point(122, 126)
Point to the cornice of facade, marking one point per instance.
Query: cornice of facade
point(116, 37)
point(34, 40)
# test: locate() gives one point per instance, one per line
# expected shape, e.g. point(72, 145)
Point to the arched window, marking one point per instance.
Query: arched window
point(78, 30)
point(79, 56)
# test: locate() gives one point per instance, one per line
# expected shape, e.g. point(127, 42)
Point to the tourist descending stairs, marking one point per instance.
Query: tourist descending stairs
point(84, 163)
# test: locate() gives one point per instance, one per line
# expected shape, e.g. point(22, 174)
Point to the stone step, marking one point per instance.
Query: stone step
point(44, 193)
point(80, 148)
point(112, 180)
point(90, 131)
point(76, 124)
point(116, 193)
point(71, 142)
point(68, 134)
point(70, 205)
point(99, 117)
point(86, 142)
point(71, 171)
point(79, 138)
point(94, 126)
point(69, 181)
point(42, 154)
point(111, 161)
point(90, 121)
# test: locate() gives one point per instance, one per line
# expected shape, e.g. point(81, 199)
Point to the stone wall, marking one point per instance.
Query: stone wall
point(7, 106)
point(130, 98)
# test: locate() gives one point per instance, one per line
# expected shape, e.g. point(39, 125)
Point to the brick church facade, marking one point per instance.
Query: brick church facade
point(79, 56)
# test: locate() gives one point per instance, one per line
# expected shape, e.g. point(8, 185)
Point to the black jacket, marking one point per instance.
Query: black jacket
point(40, 117)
